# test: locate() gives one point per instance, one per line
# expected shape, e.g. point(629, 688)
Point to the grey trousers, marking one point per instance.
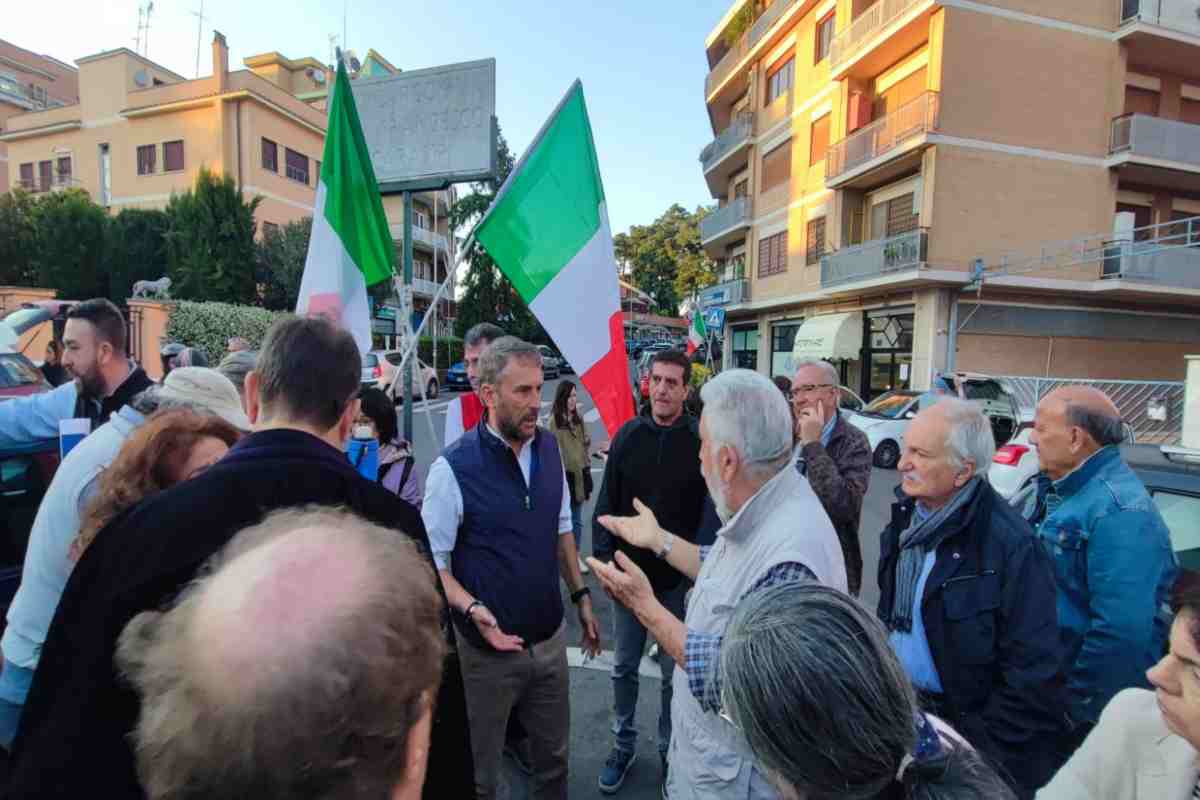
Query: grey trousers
point(533, 684)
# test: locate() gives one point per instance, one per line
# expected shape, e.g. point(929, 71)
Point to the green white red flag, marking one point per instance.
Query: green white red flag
point(697, 332)
point(548, 232)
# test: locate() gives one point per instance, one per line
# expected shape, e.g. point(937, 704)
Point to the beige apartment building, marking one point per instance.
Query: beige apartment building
point(868, 155)
point(137, 132)
point(30, 82)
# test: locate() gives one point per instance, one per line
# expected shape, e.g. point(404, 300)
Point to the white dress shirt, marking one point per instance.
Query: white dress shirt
point(442, 510)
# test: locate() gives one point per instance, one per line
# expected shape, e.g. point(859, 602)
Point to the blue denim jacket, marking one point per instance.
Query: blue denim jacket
point(1114, 567)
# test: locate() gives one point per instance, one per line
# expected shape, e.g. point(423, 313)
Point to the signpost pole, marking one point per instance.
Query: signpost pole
point(406, 309)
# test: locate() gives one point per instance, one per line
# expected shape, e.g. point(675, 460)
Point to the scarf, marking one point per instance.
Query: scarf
point(923, 535)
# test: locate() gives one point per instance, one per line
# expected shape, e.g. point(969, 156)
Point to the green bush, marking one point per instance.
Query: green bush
point(449, 350)
point(700, 375)
point(209, 326)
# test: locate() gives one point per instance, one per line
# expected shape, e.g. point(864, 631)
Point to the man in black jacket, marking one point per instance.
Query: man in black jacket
point(654, 460)
point(969, 597)
point(73, 736)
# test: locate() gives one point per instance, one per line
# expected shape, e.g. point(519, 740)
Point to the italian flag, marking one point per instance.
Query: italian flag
point(697, 333)
point(548, 231)
point(351, 246)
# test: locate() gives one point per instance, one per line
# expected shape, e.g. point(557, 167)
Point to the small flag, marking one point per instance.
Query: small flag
point(697, 332)
point(351, 246)
point(548, 232)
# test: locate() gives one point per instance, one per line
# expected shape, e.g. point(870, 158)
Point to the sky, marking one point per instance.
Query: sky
point(641, 62)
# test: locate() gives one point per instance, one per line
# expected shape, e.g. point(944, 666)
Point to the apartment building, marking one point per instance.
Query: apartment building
point(873, 161)
point(29, 82)
point(137, 132)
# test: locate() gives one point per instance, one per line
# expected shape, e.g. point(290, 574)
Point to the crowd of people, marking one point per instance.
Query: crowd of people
point(216, 603)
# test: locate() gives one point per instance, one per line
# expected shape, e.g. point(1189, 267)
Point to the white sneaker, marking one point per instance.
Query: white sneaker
point(583, 568)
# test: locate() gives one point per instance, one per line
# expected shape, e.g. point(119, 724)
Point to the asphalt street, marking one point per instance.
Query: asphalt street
point(591, 687)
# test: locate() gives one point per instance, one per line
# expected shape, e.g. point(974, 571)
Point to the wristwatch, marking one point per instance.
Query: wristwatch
point(579, 595)
point(467, 611)
point(665, 550)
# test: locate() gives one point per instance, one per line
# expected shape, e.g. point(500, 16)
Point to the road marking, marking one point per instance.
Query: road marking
point(649, 668)
point(592, 416)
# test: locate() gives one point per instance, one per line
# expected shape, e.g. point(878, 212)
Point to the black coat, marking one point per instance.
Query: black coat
point(992, 627)
point(72, 738)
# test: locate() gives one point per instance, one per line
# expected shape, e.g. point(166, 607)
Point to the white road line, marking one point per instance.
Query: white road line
point(604, 663)
point(592, 416)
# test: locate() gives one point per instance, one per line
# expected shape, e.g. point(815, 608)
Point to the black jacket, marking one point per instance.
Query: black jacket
point(661, 467)
point(990, 620)
point(72, 738)
point(98, 410)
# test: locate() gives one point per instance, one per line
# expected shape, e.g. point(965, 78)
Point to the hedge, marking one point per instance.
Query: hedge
point(449, 351)
point(209, 326)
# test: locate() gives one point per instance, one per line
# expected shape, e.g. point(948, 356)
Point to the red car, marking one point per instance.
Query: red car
point(19, 377)
point(644, 385)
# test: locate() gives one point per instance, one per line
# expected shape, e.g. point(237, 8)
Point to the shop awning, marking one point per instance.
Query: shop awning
point(832, 336)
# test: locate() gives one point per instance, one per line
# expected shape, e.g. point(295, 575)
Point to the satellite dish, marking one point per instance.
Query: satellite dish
point(316, 75)
point(355, 64)
point(141, 78)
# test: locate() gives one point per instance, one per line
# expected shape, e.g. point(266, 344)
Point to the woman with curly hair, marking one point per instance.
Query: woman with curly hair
point(170, 448)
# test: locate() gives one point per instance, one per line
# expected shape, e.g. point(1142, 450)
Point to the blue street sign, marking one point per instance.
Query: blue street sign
point(714, 319)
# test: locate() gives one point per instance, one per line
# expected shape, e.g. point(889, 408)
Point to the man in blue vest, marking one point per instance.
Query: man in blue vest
point(499, 518)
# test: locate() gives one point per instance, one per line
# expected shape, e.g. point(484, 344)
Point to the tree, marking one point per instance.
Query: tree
point(694, 269)
point(18, 232)
point(136, 251)
point(69, 244)
point(667, 260)
point(281, 255)
point(488, 295)
point(210, 242)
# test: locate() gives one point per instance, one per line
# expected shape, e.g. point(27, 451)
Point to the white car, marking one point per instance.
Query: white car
point(1017, 461)
point(379, 369)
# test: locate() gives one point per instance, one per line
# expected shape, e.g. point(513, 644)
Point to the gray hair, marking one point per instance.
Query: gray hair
point(831, 373)
point(1104, 429)
point(236, 366)
point(483, 333)
point(969, 437)
point(746, 411)
point(495, 358)
point(330, 717)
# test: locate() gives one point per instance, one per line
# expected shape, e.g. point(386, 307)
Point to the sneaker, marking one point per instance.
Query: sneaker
point(615, 770)
point(653, 654)
point(519, 753)
point(583, 568)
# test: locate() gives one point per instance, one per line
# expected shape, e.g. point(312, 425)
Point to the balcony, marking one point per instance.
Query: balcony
point(875, 259)
point(726, 224)
point(1161, 35)
point(746, 45)
point(726, 293)
point(726, 154)
point(426, 287)
point(425, 239)
point(900, 24)
point(882, 142)
point(27, 96)
point(1167, 254)
point(1140, 138)
point(56, 183)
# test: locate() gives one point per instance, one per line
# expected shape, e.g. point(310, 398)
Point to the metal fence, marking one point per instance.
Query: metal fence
point(1153, 409)
point(914, 118)
point(855, 36)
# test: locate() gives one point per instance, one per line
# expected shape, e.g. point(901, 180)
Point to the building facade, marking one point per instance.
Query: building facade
point(30, 82)
point(137, 132)
point(873, 161)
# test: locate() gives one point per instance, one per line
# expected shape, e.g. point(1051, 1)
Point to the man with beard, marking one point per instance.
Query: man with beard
point(105, 379)
point(498, 512)
point(775, 531)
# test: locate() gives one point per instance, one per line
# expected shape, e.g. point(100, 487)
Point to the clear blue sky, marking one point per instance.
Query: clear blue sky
point(641, 62)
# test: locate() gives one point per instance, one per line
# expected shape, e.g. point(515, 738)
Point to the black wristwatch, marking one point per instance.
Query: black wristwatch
point(467, 611)
point(579, 595)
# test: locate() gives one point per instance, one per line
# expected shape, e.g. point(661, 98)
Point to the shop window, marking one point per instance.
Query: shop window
point(744, 347)
point(783, 338)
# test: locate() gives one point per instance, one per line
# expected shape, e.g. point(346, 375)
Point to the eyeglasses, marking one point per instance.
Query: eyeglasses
point(808, 388)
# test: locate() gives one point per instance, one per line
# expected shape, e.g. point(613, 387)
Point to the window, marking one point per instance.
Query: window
point(145, 159)
point(779, 82)
point(816, 241)
point(893, 217)
point(45, 175)
point(903, 91)
point(745, 347)
point(173, 156)
point(27, 176)
point(420, 219)
point(741, 188)
point(1141, 101)
point(297, 165)
point(818, 140)
point(777, 166)
point(269, 228)
point(1189, 111)
point(824, 38)
point(783, 338)
point(270, 155)
point(772, 254)
point(64, 168)
point(316, 172)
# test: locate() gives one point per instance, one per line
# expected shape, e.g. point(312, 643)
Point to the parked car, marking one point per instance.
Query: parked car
point(456, 377)
point(19, 377)
point(28, 316)
point(1017, 461)
point(1172, 476)
point(380, 370)
point(551, 362)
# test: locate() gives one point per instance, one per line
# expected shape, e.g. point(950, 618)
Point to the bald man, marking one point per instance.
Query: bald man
point(304, 664)
point(1112, 554)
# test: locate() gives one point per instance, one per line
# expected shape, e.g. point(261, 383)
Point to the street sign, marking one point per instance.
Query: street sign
point(714, 319)
point(384, 326)
point(429, 128)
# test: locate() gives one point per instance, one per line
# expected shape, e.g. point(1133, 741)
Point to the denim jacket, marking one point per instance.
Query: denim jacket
point(1114, 567)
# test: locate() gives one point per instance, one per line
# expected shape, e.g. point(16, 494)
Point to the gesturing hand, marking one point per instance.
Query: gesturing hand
point(489, 629)
point(641, 530)
point(811, 422)
point(628, 585)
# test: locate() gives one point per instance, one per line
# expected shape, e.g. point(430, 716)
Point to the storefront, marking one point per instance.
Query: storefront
point(887, 352)
point(836, 338)
point(783, 336)
point(744, 346)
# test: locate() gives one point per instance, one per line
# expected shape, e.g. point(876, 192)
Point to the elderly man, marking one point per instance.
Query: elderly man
point(1147, 744)
point(968, 596)
point(303, 664)
point(466, 410)
point(498, 511)
point(1110, 549)
point(79, 710)
point(775, 531)
point(834, 456)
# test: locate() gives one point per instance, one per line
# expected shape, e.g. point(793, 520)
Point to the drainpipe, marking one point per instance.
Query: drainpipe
point(237, 135)
point(952, 335)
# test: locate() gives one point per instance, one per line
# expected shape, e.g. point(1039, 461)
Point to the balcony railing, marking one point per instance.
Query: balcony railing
point(424, 286)
point(914, 118)
point(851, 40)
point(431, 239)
point(33, 97)
point(57, 183)
point(1154, 137)
point(731, 216)
point(875, 258)
point(727, 140)
point(736, 290)
point(745, 44)
point(1179, 15)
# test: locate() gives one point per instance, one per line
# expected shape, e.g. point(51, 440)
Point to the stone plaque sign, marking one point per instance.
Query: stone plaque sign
point(430, 128)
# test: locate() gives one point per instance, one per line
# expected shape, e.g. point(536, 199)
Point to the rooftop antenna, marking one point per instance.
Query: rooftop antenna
point(137, 40)
point(199, 15)
point(146, 33)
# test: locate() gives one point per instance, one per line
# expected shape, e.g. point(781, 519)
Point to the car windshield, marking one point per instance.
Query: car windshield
point(369, 360)
point(889, 405)
point(16, 371)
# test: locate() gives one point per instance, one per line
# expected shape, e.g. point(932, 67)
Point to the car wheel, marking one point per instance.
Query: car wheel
point(887, 455)
point(431, 391)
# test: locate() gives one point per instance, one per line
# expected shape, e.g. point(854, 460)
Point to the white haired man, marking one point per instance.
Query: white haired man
point(968, 597)
point(745, 455)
